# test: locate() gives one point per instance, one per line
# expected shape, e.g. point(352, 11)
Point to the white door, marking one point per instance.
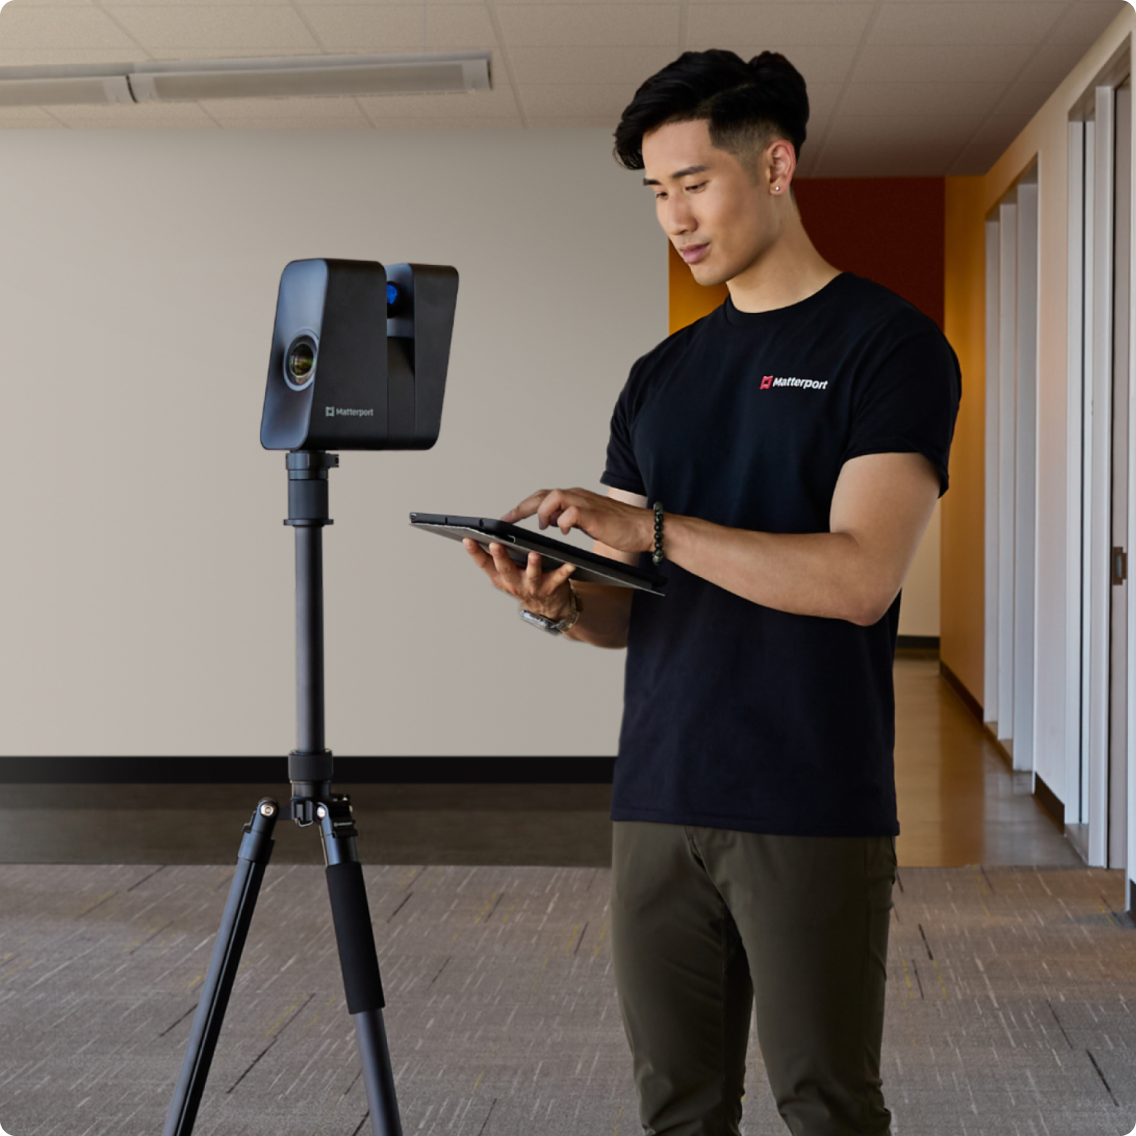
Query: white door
point(1011, 460)
point(1118, 616)
point(1100, 406)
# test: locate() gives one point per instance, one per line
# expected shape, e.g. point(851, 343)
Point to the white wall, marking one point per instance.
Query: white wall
point(1046, 138)
point(146, 591)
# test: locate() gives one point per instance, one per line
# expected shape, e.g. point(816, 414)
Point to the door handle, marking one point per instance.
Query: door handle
point(1119, 565)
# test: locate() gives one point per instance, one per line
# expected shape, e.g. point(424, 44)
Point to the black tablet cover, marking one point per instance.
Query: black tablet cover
point(520, 542)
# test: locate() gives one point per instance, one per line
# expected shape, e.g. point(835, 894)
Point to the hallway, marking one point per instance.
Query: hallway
point(959, 801)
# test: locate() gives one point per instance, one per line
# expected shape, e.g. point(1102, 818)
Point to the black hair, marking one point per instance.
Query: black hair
point(746, 104)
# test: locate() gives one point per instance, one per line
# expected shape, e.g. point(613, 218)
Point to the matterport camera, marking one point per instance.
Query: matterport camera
point(359, 356)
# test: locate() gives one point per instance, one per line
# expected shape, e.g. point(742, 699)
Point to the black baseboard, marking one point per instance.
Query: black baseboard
point(918, 642)
point(272, 770)
point(956, 684)
point(1047, 798)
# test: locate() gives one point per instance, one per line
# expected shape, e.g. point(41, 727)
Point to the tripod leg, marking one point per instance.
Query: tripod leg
point(252, 859)
point(361, 981)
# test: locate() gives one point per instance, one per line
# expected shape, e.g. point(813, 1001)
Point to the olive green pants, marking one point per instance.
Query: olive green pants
point(709, 925)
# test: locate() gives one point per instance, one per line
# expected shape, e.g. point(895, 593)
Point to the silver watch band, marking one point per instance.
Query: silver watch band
point(551, 625)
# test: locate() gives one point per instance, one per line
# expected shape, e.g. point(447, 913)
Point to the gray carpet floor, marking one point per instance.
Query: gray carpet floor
point(1009, 1003)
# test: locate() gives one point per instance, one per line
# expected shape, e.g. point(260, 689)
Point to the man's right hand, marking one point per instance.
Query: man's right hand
point(544, 594)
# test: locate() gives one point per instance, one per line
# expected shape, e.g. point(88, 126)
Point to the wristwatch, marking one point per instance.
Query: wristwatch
point(551, 625)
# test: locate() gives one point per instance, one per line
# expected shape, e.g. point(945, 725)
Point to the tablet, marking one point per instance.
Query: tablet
point(518, 543)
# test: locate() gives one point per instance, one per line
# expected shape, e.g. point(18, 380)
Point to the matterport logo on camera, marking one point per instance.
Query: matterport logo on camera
point(348, 412)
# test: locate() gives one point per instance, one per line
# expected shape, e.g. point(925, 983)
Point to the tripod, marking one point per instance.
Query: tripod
point(309, 770)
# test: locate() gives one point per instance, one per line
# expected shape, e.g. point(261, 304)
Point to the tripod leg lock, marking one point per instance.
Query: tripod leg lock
point(257, 842)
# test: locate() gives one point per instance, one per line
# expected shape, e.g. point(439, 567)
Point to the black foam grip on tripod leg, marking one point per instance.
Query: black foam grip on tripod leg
point(356, 939)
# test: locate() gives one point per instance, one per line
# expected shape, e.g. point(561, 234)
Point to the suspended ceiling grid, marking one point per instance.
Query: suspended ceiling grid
point(896, 87)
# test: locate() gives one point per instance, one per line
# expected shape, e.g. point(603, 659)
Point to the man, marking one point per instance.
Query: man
point(799, 437)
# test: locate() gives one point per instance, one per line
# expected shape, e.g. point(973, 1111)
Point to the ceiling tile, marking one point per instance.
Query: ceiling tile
point(921, 98)
point(820, 63)
point(926, 159)
point(1085, 23)
point(173, 54)
point(822, 100)
point(288, 124)
point(579, 100)
point(951, 22)
point(27, 118)
point(44, 56)
point(976, 159)
point(1024, 98)
point(144, 115)
point(368, 29)
point(305, 4)
point(447, 123)
point(54, 28)
point(811, 145)
point(587, 65)
point(462, 107)
point(570, 122)
point(458, 27)
point(1001, 128)
point(587, 25)
point(806, 165)
point(940, 63)
point(215, 28)
point(815, 22)
point(194, 3)
point(1051, 62)
point(901, 131)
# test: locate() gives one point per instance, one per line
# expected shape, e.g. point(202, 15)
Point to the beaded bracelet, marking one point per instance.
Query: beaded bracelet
point(658, 553)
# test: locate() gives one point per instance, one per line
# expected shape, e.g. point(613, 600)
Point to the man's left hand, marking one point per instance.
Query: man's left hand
point(619, 526)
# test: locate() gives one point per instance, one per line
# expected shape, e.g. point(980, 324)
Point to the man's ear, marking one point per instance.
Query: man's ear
point(782, 163)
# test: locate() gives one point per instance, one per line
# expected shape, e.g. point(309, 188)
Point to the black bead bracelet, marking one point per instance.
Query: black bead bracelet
point(658, 553)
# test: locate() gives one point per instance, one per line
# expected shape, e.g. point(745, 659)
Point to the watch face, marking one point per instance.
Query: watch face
point(539, 620)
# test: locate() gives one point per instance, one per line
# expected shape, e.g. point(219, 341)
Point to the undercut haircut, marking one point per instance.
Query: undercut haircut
point(747, 105)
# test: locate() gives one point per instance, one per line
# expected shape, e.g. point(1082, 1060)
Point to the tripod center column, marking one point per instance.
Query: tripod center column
point(310, 762)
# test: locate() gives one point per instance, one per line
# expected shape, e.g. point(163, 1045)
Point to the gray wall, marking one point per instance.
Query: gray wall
point(146, 597)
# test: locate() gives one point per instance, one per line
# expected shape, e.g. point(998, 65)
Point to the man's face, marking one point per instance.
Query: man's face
point(717, 206)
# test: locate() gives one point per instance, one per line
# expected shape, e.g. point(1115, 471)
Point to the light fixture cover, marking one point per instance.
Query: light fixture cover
point(292, 76)
point(64, 89)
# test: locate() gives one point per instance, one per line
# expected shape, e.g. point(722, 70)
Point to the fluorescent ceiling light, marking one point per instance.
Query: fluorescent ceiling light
point(297, 76)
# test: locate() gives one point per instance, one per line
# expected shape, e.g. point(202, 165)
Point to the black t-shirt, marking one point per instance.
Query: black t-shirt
point(737, 715)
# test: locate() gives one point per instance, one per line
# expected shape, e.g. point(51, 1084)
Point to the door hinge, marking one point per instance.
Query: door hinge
point(1119, 565)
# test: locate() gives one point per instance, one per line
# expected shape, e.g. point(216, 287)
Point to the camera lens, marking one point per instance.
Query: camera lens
point(300, 361)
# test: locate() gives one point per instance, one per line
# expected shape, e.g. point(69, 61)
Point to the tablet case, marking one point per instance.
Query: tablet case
point(518, 543)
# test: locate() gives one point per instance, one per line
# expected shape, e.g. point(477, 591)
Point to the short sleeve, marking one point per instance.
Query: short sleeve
point(622, 470)
point(909, 403)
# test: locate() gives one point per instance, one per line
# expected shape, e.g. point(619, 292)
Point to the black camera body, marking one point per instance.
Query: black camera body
point(359, 356)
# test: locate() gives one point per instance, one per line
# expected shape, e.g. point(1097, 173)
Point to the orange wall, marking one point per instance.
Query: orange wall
point(887, 229)
point(962, 613)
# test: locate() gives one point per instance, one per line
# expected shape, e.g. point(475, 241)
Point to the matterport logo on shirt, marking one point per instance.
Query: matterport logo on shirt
point(768, 381)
